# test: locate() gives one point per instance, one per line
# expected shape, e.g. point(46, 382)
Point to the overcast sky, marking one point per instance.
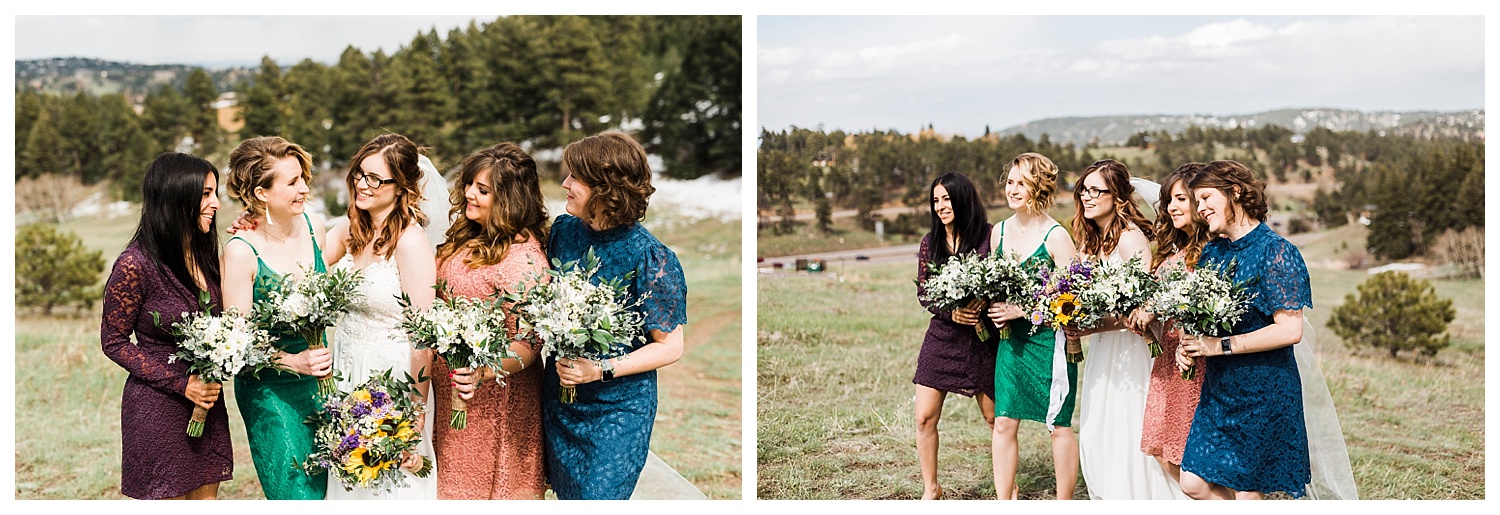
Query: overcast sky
point(961, 73)
point(221, 40)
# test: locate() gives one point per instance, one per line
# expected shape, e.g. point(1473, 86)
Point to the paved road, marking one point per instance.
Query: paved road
point(894, 254)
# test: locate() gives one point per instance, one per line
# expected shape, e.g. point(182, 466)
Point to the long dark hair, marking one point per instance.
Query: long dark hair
point(516, 206)
point(172, 194)
point(968, 217)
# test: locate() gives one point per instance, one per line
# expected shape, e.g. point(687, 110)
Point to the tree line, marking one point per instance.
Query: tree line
point(1413, 188)
point(543, 81)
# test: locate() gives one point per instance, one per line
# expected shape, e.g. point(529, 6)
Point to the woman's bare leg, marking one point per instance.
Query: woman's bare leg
point(1065, 461)
point(929, 410)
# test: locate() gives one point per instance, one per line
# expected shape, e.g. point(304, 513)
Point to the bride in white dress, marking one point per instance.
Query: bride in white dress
point(1117, 368)
point(383, 238)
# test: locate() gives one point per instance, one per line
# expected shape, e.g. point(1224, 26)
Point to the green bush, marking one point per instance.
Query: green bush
point(1394, 312)
point(54, 269)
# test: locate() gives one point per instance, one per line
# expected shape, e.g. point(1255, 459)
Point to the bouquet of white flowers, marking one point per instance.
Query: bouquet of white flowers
point(1124, 286)
point(360, 436)
point(307, 306)
point(217, 348)
point(1203, 302)
point(975, 276)
point(465, 332)
point(575, 318)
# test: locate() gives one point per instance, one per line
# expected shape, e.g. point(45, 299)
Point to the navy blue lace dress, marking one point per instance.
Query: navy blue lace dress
point(1248, 433)
point(596, 446)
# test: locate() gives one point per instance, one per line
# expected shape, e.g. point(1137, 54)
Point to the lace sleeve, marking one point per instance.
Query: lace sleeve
point(666, 305)
point(924, 253)
point(124, 294)
point(1284, 281)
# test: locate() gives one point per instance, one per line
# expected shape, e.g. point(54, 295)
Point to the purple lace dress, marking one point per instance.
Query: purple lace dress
point(953, 358)
point(157, 457)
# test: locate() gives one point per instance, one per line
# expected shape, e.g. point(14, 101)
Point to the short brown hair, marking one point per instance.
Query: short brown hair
point(1039, 176)
point(1236, 182)
point(517, 209)
point(400, 157)
point(250, 161)
point(614, 166)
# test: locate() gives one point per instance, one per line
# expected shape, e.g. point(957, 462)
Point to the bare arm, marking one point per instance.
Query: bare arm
point(337, 239)
point(418, 269)
point(1285, 330)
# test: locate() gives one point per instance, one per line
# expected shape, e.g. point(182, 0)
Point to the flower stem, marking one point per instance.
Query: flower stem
point(195, 424)
point(568, 394)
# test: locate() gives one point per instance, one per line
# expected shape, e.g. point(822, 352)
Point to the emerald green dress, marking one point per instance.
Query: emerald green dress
point(1033, 379)
point(275, 405)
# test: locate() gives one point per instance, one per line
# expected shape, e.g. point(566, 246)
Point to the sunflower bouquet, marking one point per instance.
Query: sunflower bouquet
point(1125, 286)
point(576, 318)
point(1064, 298)
point(218, 347)
point(1203, 301)
point(307, 306)
point(465, 332)
point(361, 436)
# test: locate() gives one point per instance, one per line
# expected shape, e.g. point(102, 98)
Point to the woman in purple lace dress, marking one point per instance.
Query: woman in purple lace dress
point(172, 258)
point(952, 358)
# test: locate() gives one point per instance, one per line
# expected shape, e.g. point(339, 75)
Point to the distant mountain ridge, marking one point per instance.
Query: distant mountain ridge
point(1115, 130)
point(69, 75)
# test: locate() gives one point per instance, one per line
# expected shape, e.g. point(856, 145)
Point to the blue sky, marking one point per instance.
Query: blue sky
point(961, 73)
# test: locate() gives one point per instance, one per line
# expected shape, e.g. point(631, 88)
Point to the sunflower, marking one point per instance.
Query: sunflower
point(355, 465)
point(361, 396)
point(1063, 308)
point(395, 428)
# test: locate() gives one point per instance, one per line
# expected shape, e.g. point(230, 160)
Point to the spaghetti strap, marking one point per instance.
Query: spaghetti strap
point(317, 252)
point(1049, 233)
point(1000, 248)
point(247, 243)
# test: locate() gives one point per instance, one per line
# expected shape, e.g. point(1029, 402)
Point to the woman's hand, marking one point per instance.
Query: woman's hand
point(1196, 346)
point(1140, 320)
point(573, 372)
point(311, 362)
point(1074, 333)
point(1002, 312)
point(467, 380)
point(244, 223)
point(1183, 361)
point(201, 393)
point(969, 314)
point(411, 461)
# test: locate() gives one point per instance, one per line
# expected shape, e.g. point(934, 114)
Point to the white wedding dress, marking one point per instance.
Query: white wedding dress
point(369, 340)
point(1112, 410)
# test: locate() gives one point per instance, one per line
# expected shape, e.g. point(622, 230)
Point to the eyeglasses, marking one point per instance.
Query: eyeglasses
point(371, 181)
point(1092, 192)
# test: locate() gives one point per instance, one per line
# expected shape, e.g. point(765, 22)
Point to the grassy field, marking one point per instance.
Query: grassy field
point(836, 357)
point(67, 397)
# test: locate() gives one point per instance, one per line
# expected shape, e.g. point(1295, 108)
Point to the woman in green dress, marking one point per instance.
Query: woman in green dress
point(270, 175)
point(1033, 380)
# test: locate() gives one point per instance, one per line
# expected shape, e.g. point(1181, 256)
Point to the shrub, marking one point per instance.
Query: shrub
point(1462, 249)
point(54, 269)
point(1394, 312)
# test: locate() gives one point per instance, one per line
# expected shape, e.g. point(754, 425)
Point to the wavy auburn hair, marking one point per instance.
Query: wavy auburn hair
point(516, 206)
point(1169, 239)
point(614, 167)
point(400, 157)
point(1099, 241)
point(1237, 183)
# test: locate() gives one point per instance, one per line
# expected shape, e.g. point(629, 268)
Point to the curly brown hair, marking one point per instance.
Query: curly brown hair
point(250, 162)
point(614, 167)
point(1039, 176)
point(517, 208)
point(1237, 183)
point(1170, 239)
point(1099, 241)
point(400, 157)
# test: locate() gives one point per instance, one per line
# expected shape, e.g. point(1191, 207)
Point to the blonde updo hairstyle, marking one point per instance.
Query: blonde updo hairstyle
point(250, 167)
point(1039, 176)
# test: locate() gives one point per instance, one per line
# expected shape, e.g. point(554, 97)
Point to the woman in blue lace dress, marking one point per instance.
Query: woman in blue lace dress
point(596, 446)
point(1248, 435)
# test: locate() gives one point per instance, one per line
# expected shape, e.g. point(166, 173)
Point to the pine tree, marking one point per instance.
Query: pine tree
point(53, 268)
point(1394, 312)
point(203, 124)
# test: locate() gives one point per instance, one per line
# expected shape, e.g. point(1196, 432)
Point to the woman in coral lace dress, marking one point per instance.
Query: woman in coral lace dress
point(492, 248)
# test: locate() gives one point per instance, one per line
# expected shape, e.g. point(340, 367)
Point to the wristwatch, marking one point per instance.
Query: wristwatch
point(1224, 345)
point(607, 371)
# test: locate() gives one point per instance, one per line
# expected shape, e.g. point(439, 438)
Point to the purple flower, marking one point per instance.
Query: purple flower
point(379, 398)
point(1036, 318)
point(360, 410)
point(349, 443)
